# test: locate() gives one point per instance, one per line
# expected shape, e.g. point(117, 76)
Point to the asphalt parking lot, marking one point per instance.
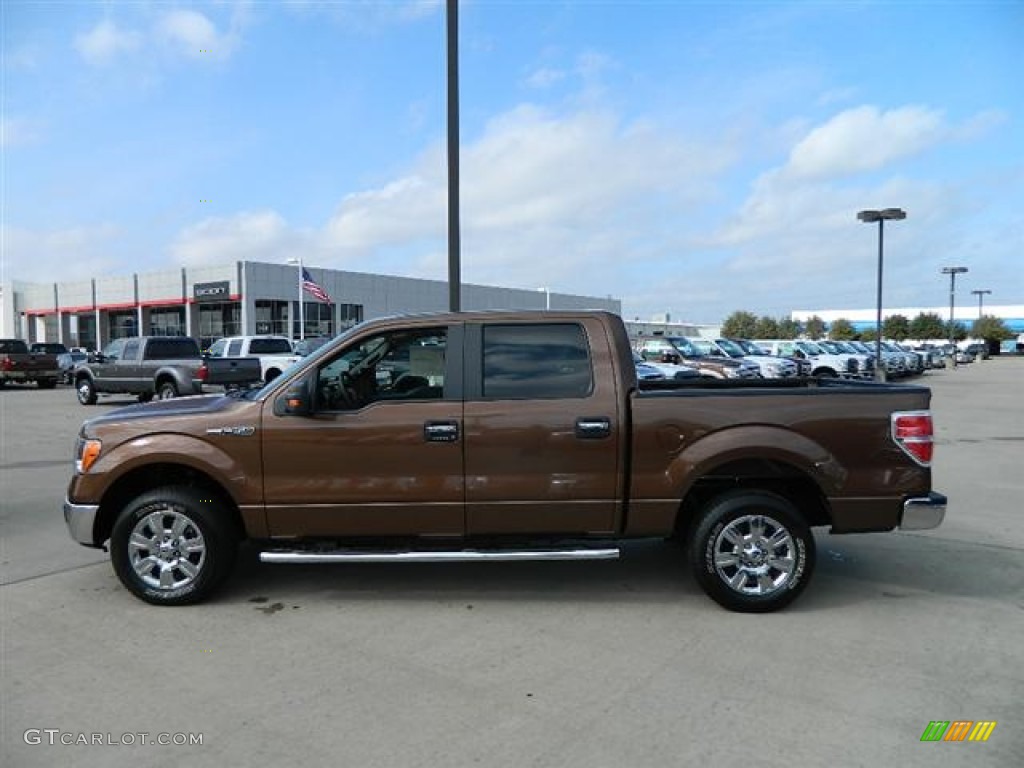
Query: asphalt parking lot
point(623, 663)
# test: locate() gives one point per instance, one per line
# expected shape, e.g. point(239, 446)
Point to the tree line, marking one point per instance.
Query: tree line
point(927, 325)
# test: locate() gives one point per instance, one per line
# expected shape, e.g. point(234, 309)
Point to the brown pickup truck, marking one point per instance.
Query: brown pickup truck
point(18, 364)
point(500, 436)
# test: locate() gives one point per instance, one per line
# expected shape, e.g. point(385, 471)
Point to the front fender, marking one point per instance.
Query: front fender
point(237, 471)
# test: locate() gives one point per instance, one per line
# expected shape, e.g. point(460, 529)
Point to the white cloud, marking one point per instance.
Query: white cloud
point(545, 77)
point(259, 235)
point(74, 253)
point(179, 32)
point(105, 41)
point(18, 132)
point(865, 139)
point(191, 34)
point(547, 199)
point(542, 195)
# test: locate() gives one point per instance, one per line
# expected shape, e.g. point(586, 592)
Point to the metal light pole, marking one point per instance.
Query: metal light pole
point(980, 294)
point(302, 309)
point(454, 236)
point(869, 217)
point(547, 297)
point(952, 272)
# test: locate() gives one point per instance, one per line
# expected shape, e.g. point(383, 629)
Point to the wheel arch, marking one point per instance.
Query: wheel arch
point(778, 477)
point(148, 477)
point(758, 458)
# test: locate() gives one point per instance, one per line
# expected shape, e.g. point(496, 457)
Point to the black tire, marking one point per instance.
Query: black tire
point(166, 390)
point(192, 545)
point(777, 557)
point(145, 397)
point(86, 391)
point(47, 383)
point(826, 373)
point(272, 374)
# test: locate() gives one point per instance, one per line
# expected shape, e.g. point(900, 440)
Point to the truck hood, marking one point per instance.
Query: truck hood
point(179, 406)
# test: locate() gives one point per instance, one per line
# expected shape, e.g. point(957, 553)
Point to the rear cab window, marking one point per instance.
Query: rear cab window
point(172, 348)
point(270, 347)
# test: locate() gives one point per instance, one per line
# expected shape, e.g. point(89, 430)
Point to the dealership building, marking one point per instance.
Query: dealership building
point(240, 298)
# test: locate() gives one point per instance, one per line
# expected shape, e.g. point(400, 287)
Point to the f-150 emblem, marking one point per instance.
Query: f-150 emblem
point(237, 431)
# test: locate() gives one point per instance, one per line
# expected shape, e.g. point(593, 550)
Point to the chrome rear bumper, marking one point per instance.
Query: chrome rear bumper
point(923, 512)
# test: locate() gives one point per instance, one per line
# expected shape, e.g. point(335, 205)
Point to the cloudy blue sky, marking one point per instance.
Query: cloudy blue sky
point(687, 157)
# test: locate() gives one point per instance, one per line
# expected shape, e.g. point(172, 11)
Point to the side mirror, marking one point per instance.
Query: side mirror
point(295, 401)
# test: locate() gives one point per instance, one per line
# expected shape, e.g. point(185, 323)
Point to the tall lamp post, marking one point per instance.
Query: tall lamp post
point(980, 295)
point(302, 309)
point(952, 272)
point(869, 217)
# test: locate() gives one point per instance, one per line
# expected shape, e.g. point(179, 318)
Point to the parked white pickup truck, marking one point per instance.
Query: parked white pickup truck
point(275, 352)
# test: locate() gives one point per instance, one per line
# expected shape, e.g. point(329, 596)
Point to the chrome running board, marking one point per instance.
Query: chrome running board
point(432, 556)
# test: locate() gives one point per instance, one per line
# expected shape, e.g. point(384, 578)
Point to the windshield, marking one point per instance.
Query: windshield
point(810, 348)
point(747, 346)
point(256, 394)
point(831, 346)
point(684, 346)
point(732, 349)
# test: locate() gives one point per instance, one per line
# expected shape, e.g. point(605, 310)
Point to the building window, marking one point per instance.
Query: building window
point(83, 332)
point(167, 322)
point(272, 317)
point(217, 321)
point(318, 320)
point(349, 315)
point(123, 324)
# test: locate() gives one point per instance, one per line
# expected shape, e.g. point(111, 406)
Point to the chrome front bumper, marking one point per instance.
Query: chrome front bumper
point(80, 519)
point(923, 512)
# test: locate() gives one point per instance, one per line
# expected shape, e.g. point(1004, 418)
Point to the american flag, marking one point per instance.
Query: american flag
point(312, 287)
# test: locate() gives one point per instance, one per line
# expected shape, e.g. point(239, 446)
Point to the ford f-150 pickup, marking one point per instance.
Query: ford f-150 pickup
point(500, 436)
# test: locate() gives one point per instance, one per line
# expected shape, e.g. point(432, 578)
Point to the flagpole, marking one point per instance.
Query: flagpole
point(302, 313)
point(302, 307)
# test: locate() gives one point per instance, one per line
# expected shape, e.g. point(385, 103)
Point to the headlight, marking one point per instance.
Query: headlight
point(86, 453)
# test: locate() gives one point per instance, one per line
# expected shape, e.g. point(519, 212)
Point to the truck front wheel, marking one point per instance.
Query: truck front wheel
point(173, 546)
point(86, 391)
point(751, 551)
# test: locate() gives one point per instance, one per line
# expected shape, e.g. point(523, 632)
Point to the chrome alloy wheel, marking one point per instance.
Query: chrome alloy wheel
point(755, 555)
point(166, 549)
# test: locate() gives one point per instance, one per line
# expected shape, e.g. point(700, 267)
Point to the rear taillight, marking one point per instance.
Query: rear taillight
point(912, 431)
point(8, 364)
point(203, 372)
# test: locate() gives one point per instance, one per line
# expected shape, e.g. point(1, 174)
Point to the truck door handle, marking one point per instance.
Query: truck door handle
point(593, 429)
point(441, 431)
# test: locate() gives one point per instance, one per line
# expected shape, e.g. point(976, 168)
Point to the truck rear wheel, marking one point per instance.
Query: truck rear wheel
point(751, 551)
point(173, 546)
point(166, 390)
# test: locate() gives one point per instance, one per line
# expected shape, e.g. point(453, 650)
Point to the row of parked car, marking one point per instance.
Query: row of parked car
point(680, 357)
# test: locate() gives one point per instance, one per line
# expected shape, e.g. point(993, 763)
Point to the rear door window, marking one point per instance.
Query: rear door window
point(536, 362)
